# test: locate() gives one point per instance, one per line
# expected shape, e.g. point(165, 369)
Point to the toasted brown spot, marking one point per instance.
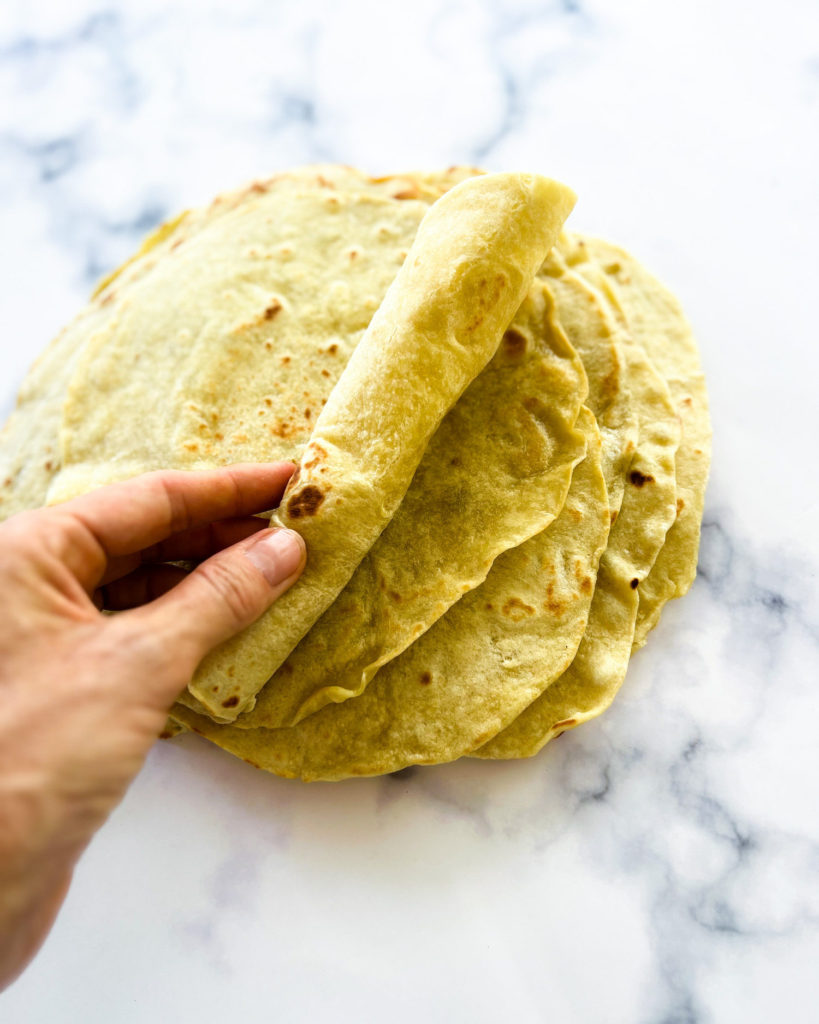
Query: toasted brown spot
point(576, 515)
point(515, 609)
point(426, 678)
point(565, 724)
point(680, 505)
point(305, 503)
point(406, 193)
point(613, 516)
point(332, 349)
point(268, 345)
point(489, 606)
point(285, 360)
point(251, 763)
point(325, 373)
point(455, 461)
point(307, 414)
point(274, 307)
point(49, 466)
point(166, 734)
point(552, 604)
point(638, 478)
point(192, 446)
point(635, 583)
point(514, 343)
point(231, 702)
point(319, 453)
point(586, 585)
point(395, 596)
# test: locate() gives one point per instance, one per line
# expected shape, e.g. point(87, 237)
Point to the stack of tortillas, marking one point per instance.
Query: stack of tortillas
point(502, 436)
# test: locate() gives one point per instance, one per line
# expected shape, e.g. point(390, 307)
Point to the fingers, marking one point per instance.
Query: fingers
point(196, 544)
point(225, 594)
point(125, 518)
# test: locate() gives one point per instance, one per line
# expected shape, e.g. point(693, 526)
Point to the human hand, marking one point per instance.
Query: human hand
point(84, 695)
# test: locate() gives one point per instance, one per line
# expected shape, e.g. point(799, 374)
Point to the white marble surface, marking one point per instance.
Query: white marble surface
point(658, 866)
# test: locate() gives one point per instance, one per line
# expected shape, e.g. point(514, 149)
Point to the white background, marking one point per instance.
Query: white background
point(657, 866)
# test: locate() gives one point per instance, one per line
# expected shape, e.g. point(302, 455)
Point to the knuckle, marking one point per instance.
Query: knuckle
point(235, 589)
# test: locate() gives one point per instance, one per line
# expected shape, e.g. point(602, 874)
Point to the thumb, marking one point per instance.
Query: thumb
point(229, 591)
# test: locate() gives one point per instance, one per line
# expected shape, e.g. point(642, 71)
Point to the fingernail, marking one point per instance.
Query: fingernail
point(277, 553)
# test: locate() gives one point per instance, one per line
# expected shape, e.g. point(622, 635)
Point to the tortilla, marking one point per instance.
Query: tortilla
point(468, 270)
point(169, 325)
point(470, 674)
point(647, 511)
point(656, 322)
point(511, 433)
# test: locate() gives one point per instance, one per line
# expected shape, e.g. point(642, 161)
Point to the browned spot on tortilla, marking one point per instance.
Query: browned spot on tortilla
point(680, 505)
point(455, 461)
point(268, 345)
point(406, 193)
point(553, 604)
point(49, 466)
point(515, 609)
point(332, 349)
point(586, 585)
point(325, 373)
point(514, 343)
point(251, 763)
point(395, 596)
point(426, 678)
point(307, 414)
point(576, 515)
point(319, 454)
point(230, 702)
point(687, 401)
point(192, 446)
point(565, 724)
point(635, 583)
point(274, 307)
point(489, 293)
point(107, 298)
point(638, 478)
point(353, 254)
point(489, 606)
point(613, 516)
point(609, 385)
point(258, 187)
point(231, 670)
point(305, 503)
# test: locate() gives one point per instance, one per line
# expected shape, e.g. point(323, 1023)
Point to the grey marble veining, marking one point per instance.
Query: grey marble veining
point(657, 866)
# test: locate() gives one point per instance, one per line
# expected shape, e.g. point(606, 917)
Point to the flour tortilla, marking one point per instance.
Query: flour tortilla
point(656, 322)
point(477, 256)
point(454, 520)
point(469, 674)
point(647, 511)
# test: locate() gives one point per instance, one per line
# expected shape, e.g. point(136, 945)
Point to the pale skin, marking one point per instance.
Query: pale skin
point(84, 695)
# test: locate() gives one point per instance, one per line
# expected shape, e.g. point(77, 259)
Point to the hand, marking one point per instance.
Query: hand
point(84, 695)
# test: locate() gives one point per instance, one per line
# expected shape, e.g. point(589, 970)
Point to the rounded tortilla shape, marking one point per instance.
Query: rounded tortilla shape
point(647, 511)
point(470, 674)
point(656, 321)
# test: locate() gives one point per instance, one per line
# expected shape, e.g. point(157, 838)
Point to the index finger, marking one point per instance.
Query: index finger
point(135, 514)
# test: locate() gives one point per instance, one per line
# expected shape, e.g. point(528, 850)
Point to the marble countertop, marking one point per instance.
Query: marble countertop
point(657, 866)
